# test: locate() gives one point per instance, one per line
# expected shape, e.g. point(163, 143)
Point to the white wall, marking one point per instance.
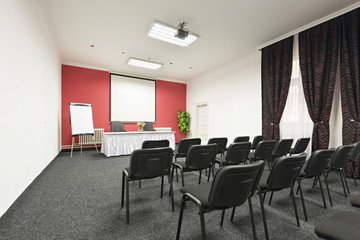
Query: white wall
point(233, 93)
point(30, 94)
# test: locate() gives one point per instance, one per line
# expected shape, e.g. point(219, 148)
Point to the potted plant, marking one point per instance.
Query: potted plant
point(183, 122)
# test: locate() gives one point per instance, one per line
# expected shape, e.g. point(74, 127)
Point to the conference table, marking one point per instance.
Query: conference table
point(124, 143)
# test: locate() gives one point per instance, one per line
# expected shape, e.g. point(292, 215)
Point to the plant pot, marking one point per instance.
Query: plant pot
point(141, 128)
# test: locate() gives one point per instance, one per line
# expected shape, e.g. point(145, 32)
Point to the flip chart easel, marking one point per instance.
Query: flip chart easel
point(81, 121)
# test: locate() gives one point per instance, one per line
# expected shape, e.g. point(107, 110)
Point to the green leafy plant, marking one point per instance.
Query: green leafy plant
point(183, 122)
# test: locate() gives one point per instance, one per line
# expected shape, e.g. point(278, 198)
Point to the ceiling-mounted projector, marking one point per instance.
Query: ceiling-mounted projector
point(182, 32)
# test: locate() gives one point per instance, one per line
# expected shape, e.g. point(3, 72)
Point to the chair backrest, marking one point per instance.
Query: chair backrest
point(282, 147)
point(150, 163)
point(285, 171)
point(264, 149)
point(355, 152)
point(238, 152)
point(221, 142)
point(148, 126)
point(155, 143)
point(300, 145)
point(318, 161)
point(185, 144)
point(117, 126)
point(232, 185)
point(341, 156)
point(201, 156)
point(256, 140)
point(242, 139)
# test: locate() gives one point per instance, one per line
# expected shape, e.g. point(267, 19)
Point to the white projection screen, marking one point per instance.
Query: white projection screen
point(132, 99)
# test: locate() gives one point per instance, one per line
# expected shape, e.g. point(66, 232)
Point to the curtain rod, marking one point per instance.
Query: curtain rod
point(310, 25)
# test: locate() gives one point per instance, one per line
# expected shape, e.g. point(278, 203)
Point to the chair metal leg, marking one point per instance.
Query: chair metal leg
point(122, 190)
point(182, 177)
point(346, 184)
point(202, 223)
point(353, 172)
point(180, 217)
point(271, 196)
point(172, 176)
point(328, 190)
point(302, 200)
point(210, 174)
point(294, 202)
point(232, 214)
point(127, 200)
point(200, 176)
point(171, 192)
point(315, 181)
point(263, 215)
point(342, 182)
point(162, 186)
point(177, 178)
point(252, 218)
point(222, 217)
point(322, 193)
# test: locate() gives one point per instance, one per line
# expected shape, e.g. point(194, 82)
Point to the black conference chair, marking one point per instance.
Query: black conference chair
point(283, 175)
point(184, 145)
point(232, 186)
point(354, 155)
point(155, 143)
point(256, 140)
point(198, 158)
point(221, 143)
point(237, 153)
point(117, 126)
point(315, 167)
point(183, 148)
point(148, 126)
point(147, 164)
point(341, 226)
point(263, 151)
point(242, 139)
point(337, 163)
point(282, 148)
point(355, 201)
point(300, 146)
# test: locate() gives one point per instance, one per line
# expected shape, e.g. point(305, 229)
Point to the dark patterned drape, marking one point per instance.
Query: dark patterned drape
point(350, 79)
point(318, 53)
point(276, 65)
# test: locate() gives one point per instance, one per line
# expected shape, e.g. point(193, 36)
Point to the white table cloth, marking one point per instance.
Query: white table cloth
point(123, 143)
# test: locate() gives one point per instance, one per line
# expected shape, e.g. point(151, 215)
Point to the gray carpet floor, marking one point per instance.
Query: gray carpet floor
point(79, 198)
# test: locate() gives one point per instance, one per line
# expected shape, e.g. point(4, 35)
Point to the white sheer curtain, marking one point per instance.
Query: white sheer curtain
point(296, 122)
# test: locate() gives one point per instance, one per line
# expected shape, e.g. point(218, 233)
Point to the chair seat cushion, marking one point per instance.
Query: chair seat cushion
point(343, 225)
point(355, 201)
point(201, 192)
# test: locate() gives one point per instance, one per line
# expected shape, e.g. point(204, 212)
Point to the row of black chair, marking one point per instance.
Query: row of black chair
point(343, 225)
point(214, 195)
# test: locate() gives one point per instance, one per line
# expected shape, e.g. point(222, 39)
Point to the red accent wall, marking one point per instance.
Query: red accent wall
point(85, 85)
point(170, 98)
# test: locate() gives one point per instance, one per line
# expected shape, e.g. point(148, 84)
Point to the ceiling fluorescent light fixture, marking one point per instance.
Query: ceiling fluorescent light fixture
point(170, 34)
point(143, 63)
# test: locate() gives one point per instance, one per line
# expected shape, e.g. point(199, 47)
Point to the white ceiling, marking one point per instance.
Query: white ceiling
point(228, 29)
